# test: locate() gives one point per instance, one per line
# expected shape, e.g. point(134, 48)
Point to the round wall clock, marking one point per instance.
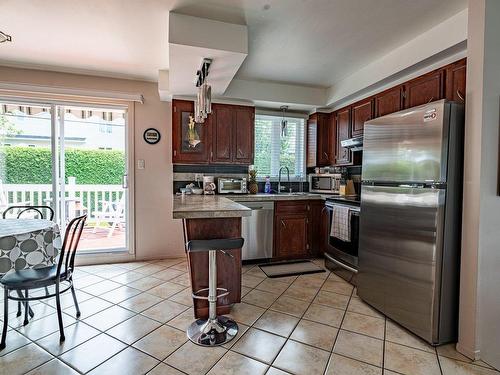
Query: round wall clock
point(151, 136)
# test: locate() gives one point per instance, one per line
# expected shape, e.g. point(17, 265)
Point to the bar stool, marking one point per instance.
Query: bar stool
point(216, 330)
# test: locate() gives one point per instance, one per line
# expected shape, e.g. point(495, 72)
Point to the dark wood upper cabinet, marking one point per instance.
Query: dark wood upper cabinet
point(226, 136)
point(424, 89)
point(222, 133)
point(361, 112)
point(190, 141)
point(243, 129)
point(455, 81)
point(389, 101)
point(326, 138)
point(343, 124)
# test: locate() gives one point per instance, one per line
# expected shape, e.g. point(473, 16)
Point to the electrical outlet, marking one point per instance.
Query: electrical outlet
point(141, 164)
point(198, 176)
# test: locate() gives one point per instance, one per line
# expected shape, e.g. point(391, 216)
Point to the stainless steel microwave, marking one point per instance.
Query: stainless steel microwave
point(325, 183)
point(232, 185)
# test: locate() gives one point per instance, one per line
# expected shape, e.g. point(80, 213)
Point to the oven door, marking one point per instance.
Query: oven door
point(342, 254)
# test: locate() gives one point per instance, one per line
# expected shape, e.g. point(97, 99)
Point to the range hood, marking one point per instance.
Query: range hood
point(354, 144)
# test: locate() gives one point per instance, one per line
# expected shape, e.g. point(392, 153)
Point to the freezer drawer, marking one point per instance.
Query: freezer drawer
point(400, 252)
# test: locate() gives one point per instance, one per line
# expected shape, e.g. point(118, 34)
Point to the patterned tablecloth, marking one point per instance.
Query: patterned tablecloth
point(28, 243)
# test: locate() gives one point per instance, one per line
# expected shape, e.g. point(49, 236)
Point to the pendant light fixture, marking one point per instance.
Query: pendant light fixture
point(203, 102)
point(284, 122)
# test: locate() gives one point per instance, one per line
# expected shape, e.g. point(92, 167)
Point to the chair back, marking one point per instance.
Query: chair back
point(70, 244)
point(24, 210)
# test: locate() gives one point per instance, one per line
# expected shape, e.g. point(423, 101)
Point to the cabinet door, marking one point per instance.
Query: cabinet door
point(424, 89)
point(343, 155)
point(455, 81)
point(291, 236)
point(222, 133)
point(389, 101)
point(325, 156)
point(312, 142)
point(243, 135)
point(361, 112)
point(189, 140)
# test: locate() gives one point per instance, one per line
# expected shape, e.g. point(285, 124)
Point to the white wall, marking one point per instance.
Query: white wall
point(480, 277)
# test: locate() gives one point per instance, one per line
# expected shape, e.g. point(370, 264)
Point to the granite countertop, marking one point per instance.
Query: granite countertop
point(207, 206)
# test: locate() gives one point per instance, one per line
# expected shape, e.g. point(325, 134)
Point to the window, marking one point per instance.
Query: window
point(274, 150)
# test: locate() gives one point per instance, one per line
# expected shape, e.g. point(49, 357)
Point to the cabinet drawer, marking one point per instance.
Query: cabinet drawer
point(291, 207)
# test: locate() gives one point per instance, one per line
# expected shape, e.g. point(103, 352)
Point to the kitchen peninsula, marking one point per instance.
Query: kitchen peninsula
point(207, 217)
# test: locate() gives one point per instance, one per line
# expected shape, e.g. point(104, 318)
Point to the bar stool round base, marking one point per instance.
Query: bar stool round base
point(212, 332)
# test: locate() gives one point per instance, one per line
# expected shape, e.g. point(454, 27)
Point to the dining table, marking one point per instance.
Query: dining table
point(28, 243)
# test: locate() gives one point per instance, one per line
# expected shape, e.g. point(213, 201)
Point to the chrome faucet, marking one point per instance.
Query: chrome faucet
point(288, 177)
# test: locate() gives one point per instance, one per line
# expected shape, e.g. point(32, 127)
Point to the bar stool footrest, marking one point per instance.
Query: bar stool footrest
point(196, 295)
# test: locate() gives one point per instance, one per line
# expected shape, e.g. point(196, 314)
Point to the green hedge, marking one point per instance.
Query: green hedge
point(33, 165)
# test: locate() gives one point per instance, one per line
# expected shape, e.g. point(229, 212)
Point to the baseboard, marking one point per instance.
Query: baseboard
point(468, 352)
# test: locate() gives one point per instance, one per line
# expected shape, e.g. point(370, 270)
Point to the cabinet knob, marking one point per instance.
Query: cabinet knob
point(460, 96)
point(326, 155)
point(283, 224)
point(175, 152)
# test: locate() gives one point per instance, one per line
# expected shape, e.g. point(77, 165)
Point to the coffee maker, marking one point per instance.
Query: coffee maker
point(209, 186)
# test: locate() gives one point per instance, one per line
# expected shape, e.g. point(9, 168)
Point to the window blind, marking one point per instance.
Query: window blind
point(274, 150)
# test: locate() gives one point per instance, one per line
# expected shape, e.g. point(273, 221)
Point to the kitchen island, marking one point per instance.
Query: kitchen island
point(207, 217)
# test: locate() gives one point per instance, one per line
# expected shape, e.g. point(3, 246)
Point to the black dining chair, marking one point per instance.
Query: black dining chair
point(59, 275)
point(37, 210)
point(23, 211)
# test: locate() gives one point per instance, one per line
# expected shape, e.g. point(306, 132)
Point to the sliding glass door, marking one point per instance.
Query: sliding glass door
point(73, 158)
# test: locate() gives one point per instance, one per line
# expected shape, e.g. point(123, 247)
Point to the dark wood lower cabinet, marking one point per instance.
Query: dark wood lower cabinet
point(296, 229)
point(291, 235)
point(228, 268)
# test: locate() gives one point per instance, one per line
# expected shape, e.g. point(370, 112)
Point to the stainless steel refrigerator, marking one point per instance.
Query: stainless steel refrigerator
point(410, 223)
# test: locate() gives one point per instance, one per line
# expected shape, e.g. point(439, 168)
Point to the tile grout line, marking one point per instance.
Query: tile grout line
point(252, 325)
point(383, 346)
point(99, 330)
point(269, 366)
point(438, 361)
point(338, 332)
point(299, 318)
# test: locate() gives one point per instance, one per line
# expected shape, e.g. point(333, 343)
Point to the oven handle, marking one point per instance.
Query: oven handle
point(354, 210)
point(343, 265)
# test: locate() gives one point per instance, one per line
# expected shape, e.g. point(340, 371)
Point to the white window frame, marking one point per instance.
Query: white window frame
point(304, 116)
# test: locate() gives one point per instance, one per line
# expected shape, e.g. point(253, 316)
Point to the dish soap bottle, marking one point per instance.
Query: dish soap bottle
point(267, 188)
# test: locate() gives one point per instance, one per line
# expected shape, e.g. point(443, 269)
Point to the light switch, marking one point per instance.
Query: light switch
point(141, 164)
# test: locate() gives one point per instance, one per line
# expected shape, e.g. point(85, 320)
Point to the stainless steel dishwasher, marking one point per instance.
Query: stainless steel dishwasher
point(257, 230)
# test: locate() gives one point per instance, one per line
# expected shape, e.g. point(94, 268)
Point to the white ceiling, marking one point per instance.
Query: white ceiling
point(307, 42)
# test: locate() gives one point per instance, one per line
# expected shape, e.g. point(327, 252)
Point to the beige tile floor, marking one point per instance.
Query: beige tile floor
point(134, 317)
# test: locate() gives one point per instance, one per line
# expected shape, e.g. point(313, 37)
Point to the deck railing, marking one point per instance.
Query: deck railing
point(79, 197)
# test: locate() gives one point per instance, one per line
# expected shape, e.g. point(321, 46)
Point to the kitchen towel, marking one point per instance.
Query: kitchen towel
point(341, 223)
